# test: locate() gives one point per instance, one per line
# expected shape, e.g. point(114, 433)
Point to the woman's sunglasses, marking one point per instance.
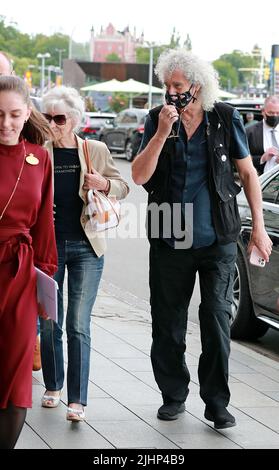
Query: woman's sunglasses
point(59, 119)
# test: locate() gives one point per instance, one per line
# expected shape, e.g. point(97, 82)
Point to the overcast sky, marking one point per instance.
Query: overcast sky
point(215, 27)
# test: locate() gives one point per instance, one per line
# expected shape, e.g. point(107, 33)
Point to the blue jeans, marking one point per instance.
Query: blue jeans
point(84, 274)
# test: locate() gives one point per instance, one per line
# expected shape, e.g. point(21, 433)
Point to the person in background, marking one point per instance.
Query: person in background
point(79, 251)
point(6, 68)
point(26, 209)
point(250, 120)
point(186, 164)
point(263, 137)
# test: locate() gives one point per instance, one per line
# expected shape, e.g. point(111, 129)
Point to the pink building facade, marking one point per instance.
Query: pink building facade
point(110, 41)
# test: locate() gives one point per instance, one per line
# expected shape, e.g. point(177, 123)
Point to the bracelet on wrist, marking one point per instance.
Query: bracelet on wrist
point(107, 188)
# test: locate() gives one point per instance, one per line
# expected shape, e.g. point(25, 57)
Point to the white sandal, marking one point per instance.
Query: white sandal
point(50, 401)
point(75, 414)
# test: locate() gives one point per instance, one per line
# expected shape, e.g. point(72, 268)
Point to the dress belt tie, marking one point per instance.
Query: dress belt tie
point(20, 243)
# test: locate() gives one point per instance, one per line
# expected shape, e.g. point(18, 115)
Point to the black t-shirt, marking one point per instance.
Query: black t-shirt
point(68, 203)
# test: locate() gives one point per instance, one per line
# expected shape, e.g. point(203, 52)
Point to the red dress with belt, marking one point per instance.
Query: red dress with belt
point(26, 240)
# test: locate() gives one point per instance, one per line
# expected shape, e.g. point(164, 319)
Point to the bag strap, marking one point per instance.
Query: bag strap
point(85, 148)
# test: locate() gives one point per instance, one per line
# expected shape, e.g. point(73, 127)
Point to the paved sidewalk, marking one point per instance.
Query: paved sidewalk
point(123, 396)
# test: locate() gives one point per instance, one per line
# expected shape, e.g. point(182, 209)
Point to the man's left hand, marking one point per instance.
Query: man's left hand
point(261, 240)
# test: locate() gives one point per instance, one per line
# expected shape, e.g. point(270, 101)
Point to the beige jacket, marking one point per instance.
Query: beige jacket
point(103, 163)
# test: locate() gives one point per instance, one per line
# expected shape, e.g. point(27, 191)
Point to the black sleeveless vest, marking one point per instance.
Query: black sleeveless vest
point(222, 187)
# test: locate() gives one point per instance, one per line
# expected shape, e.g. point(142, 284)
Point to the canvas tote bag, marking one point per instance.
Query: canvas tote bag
point(103, 211)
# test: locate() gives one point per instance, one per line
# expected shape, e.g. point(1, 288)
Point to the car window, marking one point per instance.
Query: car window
point(271, 191)
point(119, 118)
point(89, 120)
point(142, 119)
point(129, 118)
point(248, 106)
point(99, 121)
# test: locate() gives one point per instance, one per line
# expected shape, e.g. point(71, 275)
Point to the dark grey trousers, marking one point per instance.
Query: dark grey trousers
point(172, 279)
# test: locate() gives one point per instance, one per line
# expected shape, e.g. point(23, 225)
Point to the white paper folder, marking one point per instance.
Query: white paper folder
point(47, 294)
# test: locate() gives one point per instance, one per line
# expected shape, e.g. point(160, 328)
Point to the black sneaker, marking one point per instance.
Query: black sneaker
point(221, 417)
point(170, 411)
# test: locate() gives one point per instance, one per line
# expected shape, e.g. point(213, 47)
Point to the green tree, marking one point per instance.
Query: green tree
point(240, 60)
point(113, 57)
point(22, 46)
point(50, 44)
point(21, 65)
point(227, 73)
point(142, 53)
point(81, 51)
point(174, 40)
point(118, 101)
point(7, 32)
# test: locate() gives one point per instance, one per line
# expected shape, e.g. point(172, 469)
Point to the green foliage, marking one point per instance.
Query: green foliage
point(21, 65)
point(239, 60)
point(174, 40)
point(227, 73)
point(22, 45)
point(89, 104)
point(50, 44)
point(113, 57)
point(118, 101)
point(142, 53)
point(7, 33)
point(80, 51)
point(23, 49)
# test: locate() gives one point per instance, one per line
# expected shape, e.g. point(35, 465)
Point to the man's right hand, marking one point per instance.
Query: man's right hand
point(167, 117)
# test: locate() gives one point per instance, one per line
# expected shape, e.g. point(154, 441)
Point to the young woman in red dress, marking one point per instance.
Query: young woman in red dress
point(26, 240)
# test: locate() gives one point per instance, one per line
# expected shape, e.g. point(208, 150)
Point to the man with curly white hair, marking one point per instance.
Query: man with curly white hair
point(186, 159)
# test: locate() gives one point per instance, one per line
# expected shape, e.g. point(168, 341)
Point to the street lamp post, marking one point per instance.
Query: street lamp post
point(56, 70)
point(71, 43)
point(150, 76)
point(60, 52)
point(43, 57)
point(150, 46)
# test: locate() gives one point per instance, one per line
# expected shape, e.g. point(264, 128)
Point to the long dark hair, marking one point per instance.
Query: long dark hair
point(36, 130)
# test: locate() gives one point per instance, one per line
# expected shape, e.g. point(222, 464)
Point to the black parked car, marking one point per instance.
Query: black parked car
point(126, 134)
point(256, 290)
point(93, 122)
point(248, 105)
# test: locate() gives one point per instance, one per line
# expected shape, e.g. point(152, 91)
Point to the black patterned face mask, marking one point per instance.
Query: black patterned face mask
point(180, 100)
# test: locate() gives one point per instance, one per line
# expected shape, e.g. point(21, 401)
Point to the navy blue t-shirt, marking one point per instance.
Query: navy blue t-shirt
point(68, 203)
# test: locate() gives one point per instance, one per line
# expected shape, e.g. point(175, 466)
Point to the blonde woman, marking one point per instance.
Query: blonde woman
point(79, 252)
